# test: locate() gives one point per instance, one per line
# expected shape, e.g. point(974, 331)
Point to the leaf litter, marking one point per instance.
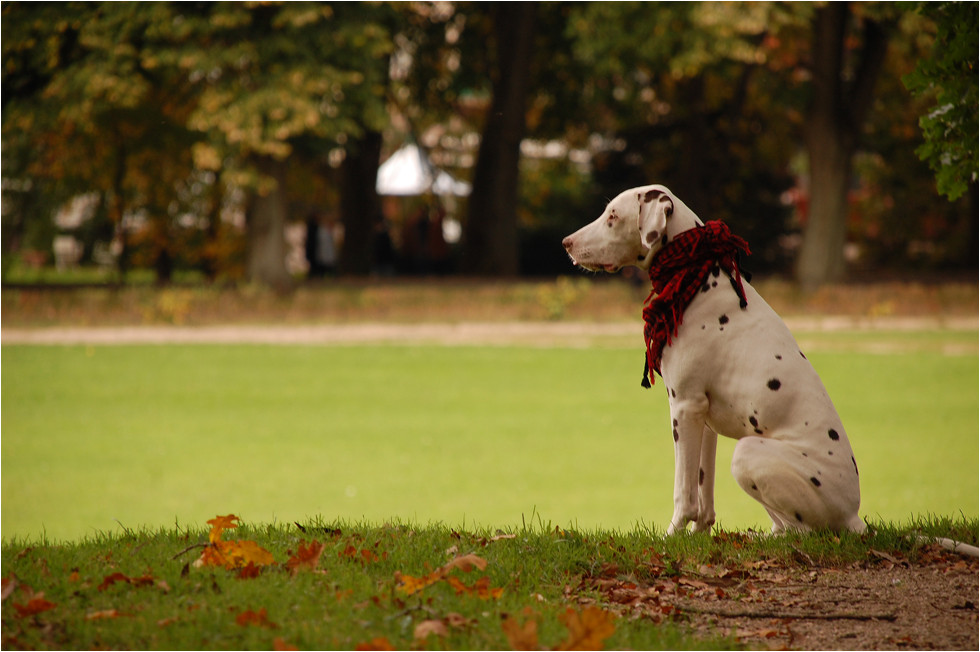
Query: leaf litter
point(886, 600)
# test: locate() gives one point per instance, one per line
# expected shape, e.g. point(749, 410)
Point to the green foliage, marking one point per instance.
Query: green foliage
point(950, 76)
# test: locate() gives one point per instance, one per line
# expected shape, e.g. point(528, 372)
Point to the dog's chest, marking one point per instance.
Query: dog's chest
point(744, 360)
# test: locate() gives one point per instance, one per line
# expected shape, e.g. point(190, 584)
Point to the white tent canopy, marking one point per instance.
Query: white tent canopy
point(409, 172)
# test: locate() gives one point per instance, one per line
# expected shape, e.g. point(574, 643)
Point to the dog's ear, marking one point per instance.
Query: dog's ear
point(655, 208)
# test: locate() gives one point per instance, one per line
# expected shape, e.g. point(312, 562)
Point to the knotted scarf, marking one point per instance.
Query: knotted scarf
point(679, 271)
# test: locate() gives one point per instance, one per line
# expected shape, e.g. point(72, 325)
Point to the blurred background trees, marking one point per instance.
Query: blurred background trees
point(204, 136)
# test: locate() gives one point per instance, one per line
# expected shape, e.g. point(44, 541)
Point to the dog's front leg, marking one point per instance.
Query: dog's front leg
point(706, 481)
point(688, 430)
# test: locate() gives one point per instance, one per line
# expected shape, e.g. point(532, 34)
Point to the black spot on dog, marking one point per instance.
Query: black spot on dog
point(716, 271)
point(779, 357)
point(831, 453)
point(754, 488)
point(676, 436)
point(816, 483)
point(754, 422)
point(673, 393)
point(723, 319)
point(774, 384)
point(700, 476)
point(833, 434)
point(705, 287)
point(805, 455)
point(650, 196)
point(802, 356)
point(855, 466)
point(798, 517)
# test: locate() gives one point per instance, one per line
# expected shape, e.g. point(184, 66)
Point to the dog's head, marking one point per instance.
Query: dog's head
point(632, 229)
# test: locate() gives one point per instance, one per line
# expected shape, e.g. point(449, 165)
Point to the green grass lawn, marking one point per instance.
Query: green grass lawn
point(98, 439)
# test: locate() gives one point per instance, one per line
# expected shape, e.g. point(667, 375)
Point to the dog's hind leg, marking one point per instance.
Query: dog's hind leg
point(798, 490)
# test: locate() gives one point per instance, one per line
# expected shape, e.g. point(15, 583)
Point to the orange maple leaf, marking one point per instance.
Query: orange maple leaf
point(465, 563)
point(481, 588)
point(239, 554)
point(219, 524)
point(306, 557)
point(587, 630)
point(410, 585)
point(232, 554)
point(521, 636)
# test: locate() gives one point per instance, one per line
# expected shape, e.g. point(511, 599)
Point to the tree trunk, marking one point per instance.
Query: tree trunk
point(266, 224)
point(360, 206)
point(837, 111)
point(490, 244)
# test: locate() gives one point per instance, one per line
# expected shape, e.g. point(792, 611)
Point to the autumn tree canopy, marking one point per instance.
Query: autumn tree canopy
point(789, 121)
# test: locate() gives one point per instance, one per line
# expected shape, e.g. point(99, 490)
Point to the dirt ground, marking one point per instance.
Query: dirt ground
point(931, 607)
point(884, 603)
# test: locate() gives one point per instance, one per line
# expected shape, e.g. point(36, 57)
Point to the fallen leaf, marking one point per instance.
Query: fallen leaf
point(35, 605)
point(221, 523)
point(428, 628)
point(107, 613)
point(501, 537)
point(481, 588)
point(249, 572)
point(109, 580)
point(379, 643)
point(235, 554)
point(410, 585)
point(280, 644)
point(9, 584)
point(466, 563)
point(588, 629)
point(521, 636)
point(257, 618)
point(307, 557)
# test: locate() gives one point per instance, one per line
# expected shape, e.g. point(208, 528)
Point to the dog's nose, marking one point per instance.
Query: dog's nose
point(567, 243)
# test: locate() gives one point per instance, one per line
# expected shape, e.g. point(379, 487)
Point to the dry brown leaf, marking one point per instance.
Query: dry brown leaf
point(105, 614)
point(37, 604)
point(466, 563)
point(428, 628)
point(9, 584)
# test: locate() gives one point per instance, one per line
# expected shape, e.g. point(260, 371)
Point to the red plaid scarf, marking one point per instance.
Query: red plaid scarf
point(679, 271)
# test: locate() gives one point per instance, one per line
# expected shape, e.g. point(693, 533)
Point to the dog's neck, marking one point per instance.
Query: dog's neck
point(681, 219)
